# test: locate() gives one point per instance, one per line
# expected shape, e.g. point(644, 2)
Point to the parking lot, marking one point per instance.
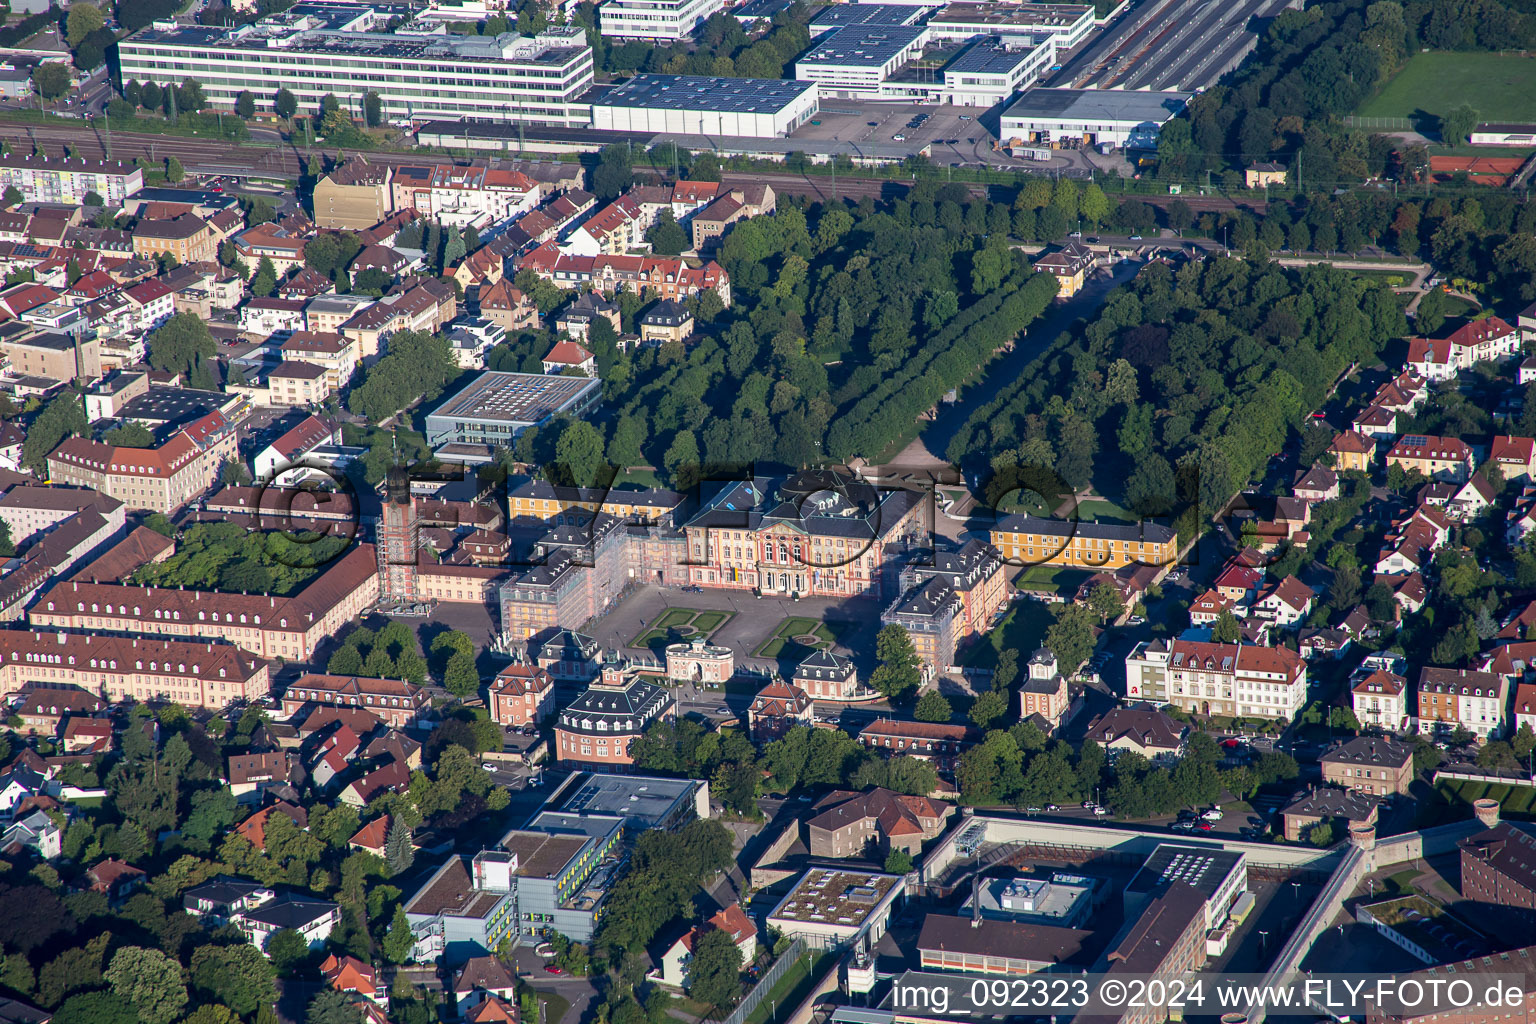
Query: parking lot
point(956, 134)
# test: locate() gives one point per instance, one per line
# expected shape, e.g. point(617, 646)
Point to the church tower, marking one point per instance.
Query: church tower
point(398, 539)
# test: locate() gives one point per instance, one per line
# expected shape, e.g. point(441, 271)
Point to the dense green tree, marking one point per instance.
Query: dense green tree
point(62, 417)
point(149, 981)
point(932, 707)
point(714, 974)
point(236, 975)
point(898, 672)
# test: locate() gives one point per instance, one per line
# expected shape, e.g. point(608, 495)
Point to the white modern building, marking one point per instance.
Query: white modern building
point(346, 50)
point(990, 70)
point(1115, 117)
point(1063, 26)
point(854, 62)
point(758, 108)
point(656, 20)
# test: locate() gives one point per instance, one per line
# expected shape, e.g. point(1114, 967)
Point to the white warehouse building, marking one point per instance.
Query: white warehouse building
point(854, 62)
point(758, 108)
point(1116, 117)
point(317, 49)
point(1062, 25)
point(657, 20)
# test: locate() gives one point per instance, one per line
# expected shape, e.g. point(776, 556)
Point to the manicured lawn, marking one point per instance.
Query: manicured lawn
point(1022, 629)
point(1101, 510)
point(676, 624)
point(1513, 800)
point(1499, 88)
point(1023, 501)
point(782, 641)
point(1052, 579)
point(791, 990)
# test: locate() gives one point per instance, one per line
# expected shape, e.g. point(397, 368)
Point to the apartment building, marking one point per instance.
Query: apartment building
point(1146, 671)
point(1370, 764)
point(1031, 540)
point(1236, 680)
point(846, 823)
point(463, 196)
point(1451, 697)
point(139, 668)
point(931, 613)
point(158, 479)
point(52, 354)
point(977, 576)
point(521, 695)
point(354, 196)
point(654, 20)
point(396, 702)
point(187, 238)
point(268, 627)
point(334, 353)
point(1438, 458)
point(53, 179)
point(1486, 340)
point(29, 511)
point(346, 50)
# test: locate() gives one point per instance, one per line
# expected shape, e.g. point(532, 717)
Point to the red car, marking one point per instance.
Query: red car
point(552, 969)
point(1204, 826)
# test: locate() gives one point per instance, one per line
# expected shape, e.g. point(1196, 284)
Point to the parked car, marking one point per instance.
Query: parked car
point(1098, 809)
point(1052, 807)
point(1214, 814)
point(489, 767)
point(552, 969)
point(898, 137)
point(1204, 826)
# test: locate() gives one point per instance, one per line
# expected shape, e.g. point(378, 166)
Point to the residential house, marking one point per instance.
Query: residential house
point(1285, 602)
point(223, 897)
point(732, 920)
point(349, 974)
point(1212, 605)
point(1381, 700)
point(254, 828)
point(273, 242)
point(1524, 708)
point(1376, 422)
point(1515, 456)
point(1353, 450)
point(1435, 458)
point(1470, 499)
point(776, 709)
point(1263, 174)
point(1485, 340)
point(115, 879)
point(482, 978)
point(313, 919)
point(1316, 484)
point(568, 356)
point(667, 321)
point(354, 196)
point(1140, 728)
point(251, 775)
point(507, 307)
point(1069, 265)
point(576, 319)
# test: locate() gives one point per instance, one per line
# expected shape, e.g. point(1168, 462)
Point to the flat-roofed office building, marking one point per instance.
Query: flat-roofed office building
point(318, 49)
